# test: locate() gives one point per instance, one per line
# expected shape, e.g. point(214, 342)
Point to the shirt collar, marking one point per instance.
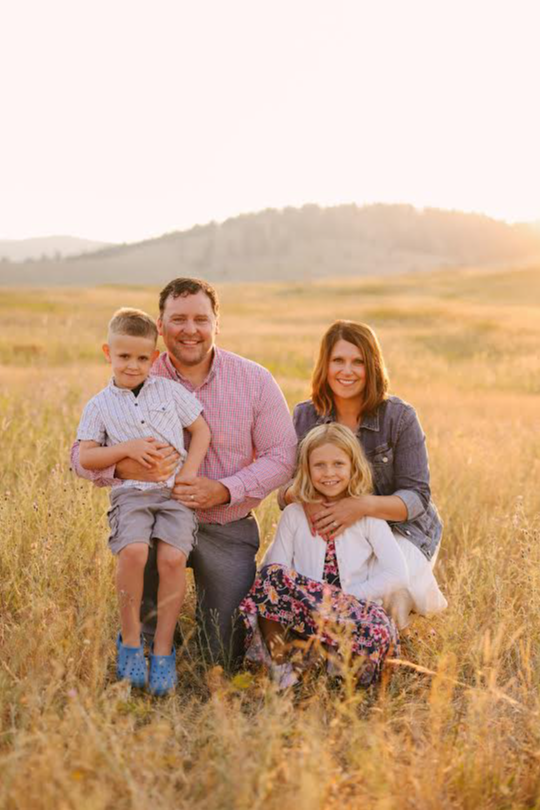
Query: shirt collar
point(150, 381)
point(215, 365)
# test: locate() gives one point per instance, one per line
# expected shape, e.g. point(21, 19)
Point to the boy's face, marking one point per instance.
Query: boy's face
point(131, 358)
point(330, 471)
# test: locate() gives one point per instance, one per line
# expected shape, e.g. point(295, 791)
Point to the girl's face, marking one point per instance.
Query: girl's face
point(330, 471)
point(346, 374)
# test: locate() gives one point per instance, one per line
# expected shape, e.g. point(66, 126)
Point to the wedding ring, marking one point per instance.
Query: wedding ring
point(192, 497)
point(335, 524)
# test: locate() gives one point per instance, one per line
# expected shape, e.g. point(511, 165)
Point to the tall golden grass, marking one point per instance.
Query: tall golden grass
point(457, 724)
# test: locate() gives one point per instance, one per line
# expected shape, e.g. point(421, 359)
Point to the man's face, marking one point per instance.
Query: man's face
point(188, 326)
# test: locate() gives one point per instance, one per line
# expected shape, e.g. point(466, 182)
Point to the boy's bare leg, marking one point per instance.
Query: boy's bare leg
point(274, 636)
point(129, 585)
point(171, 592)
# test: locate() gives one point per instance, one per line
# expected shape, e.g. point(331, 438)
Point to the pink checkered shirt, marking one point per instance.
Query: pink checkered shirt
point(253, 444)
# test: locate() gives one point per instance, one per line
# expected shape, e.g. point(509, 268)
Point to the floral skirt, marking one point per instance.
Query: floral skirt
point(311, 609)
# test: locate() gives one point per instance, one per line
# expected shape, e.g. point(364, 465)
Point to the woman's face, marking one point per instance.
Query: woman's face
point(346, 374)
point(330, 471)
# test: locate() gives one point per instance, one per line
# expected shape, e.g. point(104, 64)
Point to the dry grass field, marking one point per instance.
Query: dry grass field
point(456, 726)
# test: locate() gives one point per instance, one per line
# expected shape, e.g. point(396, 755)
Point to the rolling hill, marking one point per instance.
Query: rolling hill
point(56, 247)
point(297, 244)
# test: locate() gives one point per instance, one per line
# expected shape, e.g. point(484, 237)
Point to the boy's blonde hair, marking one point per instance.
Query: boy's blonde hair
point(360, 483)
point(130, 321)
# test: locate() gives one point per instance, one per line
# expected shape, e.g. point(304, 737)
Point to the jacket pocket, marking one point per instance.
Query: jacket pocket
point(381, 461)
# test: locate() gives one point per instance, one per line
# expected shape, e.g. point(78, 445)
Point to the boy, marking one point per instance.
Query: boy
point(129, 417)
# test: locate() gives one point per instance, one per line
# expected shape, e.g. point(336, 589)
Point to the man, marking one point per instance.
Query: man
point(252, 452)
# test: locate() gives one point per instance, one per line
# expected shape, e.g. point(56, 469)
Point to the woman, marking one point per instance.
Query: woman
point(349, 386)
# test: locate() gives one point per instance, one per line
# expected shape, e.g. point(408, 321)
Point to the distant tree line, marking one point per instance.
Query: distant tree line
point(307, 242)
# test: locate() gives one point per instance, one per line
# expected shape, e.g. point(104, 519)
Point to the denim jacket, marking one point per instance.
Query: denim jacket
point(395, 446)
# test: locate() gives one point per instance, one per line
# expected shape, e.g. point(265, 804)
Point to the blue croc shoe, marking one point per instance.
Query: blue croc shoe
point(163, 673)
point(131, 664)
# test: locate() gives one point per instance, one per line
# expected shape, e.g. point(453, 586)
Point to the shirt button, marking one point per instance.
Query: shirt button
point(142, 422)
point(136, 404)
point(385, 459)
point(408, 532)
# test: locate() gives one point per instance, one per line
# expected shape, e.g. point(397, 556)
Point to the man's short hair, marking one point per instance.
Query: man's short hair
point(189, 287)
point(130, 321)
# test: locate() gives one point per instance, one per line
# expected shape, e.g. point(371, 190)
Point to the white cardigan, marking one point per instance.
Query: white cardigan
point(370, 562)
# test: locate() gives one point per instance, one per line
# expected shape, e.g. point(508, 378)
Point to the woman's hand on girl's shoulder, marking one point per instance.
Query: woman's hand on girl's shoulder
point(312, 512)
point(337, 516)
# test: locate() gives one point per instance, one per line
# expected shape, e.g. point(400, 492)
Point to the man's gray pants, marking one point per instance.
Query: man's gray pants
point(223, 563)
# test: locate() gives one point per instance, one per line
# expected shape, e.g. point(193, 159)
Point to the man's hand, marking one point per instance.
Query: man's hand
point(333, 517)
point(199, 493)
point(163, 468)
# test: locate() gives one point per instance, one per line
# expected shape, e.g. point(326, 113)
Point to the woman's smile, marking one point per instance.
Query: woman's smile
point(346, 374)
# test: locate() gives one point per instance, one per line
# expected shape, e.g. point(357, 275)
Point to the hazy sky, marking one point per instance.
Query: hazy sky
point(125, 119)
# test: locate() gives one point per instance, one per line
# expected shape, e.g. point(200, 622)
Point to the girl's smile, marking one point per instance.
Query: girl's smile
point(330, 471)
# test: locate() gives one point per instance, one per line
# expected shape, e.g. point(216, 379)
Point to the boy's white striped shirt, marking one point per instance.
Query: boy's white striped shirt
point(162, 409)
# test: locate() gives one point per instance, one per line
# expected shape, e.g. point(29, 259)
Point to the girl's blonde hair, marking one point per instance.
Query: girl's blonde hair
point(360, 482)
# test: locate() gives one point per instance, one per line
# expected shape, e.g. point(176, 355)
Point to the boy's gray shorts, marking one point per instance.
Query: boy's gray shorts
point(149, 515)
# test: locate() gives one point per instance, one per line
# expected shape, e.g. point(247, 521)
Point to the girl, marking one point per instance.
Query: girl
point(312, 587)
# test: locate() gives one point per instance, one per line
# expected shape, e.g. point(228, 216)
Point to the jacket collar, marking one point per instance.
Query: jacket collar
point(369, 421)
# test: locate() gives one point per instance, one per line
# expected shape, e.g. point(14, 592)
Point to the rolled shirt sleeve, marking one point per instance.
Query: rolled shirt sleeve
point(188, 407)
point(101, 478)
point(91, 427)
point(274, 444)
point(411, 470)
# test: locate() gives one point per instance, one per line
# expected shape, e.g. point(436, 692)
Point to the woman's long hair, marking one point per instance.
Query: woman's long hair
point(360, 482)
point(377, 382)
